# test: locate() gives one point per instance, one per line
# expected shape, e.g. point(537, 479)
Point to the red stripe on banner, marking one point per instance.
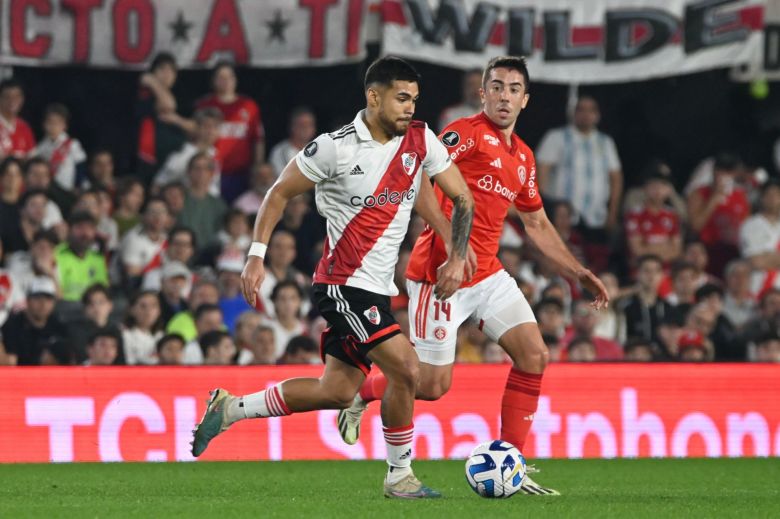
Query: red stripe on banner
point(587, 35)
point(392, 12)
point(498, 36)
point(752, 17)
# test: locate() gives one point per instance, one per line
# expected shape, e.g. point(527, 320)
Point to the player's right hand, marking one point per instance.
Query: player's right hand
point(449, 278)
point(251, 279)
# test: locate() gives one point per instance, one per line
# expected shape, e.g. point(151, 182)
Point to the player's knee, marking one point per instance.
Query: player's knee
point(432, 390)
point(536, 358)
point(407, 374)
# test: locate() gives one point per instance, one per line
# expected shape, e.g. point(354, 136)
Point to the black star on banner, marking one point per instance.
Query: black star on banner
point(180, 28)
point(277, 26)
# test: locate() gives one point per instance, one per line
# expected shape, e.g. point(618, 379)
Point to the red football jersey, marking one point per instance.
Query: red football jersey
point(725, 222)
point(16, 140)
point(653, 227)
point(498, 176)
point(241, 128)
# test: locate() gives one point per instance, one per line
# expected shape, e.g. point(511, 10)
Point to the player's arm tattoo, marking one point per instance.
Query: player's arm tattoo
point(462, 218)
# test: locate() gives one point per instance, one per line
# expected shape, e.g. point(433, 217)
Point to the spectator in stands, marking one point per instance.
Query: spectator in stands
point(693, 347)
point(302, 128)
point(749, 177)
point(634, 198)
point(129, 200)
point(611, 323)
point(217, 348)
point(550, 317)
point(174, 195)
point(584, 318)
point(170, 350)
point(301, 350)
point(768, 348)
point(25, 266)
point(97, 308)
point(723, 336)
point(203, 140)
point(208, 318)
point(471, 99)
point(12, 296)
point(103, 349)
point(245, 325)
point(308, 227)
point(202, 212)
point(638, 350)
point(100, 171)
point(279, 267)
point(16, 137)
point(37, 175)
point(287, 297)
point(17, 234)
point(29, 335)
point(107, 229)
point(79, 266)
point(175, 284)
point(580, 164)
point(684, 283)
point(180, 248)
point(765, 322)
point(759, 238)
point(263, 346)
point(645, 310)
point(205, 291)
point(236, 234)
point(261, 180)
point(582, 349)
point(654, 228)
point(142, 247)
point(64, 154)
point(562, 216)
point(11, 189)
point(142, 329)
point(739, 303)
point(554, 348)
point(161, 130)
point(231, 300)
point(716, 213)
point(241, 137)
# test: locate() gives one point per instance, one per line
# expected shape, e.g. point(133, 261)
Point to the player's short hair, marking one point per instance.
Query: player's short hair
point(58, 109)
point(10, 83)
point(161, 59)
point(385, 70)
point(211, 340)
point(165, 339)
point(511, 62)
point(207, 113)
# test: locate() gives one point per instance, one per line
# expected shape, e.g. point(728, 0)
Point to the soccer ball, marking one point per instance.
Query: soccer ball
point(495, 469)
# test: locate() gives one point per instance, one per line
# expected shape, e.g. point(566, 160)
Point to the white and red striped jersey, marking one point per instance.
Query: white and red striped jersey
point(366, 191)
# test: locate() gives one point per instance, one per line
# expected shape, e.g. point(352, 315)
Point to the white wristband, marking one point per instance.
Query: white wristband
point(257, 249)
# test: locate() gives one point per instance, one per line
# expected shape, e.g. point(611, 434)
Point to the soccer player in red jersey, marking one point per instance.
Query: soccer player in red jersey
point(500, 171)
point(241, 136)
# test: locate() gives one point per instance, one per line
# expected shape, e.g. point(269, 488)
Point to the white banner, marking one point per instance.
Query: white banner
point(128, 33)
point(566, 41)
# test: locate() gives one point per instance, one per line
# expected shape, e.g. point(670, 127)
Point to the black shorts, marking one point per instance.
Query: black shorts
point(359, 320)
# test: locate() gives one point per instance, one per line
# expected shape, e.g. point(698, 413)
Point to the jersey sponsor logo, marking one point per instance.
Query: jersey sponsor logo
point(488, 183)
point(233, 130)
point(463, 147)
point(409, 162)
point(450, 139)
point(496, 163)
point(356, 170)
point(383, 198)
point(491, 139)
point(440, 333)
point(310, 149)
point(372, 314)
point(521, 174)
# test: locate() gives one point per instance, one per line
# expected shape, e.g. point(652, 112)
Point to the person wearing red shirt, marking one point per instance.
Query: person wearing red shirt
point(16, 137)
point(500, 170)
point(716, 213)
point(654, 228)
point(241, 140)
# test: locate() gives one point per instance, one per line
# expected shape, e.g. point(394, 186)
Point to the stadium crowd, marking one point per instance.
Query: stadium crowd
point(102, 268)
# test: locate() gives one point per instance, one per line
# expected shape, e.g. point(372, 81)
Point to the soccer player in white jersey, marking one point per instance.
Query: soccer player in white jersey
point(366, 177)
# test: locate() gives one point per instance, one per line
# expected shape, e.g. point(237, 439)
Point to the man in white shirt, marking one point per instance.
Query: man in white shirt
point(142, 245)
point(759, 240)
point(303, 128)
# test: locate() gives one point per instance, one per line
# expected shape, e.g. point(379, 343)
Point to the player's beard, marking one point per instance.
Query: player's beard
point(393, 126)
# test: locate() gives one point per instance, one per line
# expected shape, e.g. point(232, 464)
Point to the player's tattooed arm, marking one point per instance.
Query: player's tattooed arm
point(462, 220)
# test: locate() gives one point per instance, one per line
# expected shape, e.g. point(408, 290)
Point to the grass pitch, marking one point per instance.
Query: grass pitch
point(346, 489)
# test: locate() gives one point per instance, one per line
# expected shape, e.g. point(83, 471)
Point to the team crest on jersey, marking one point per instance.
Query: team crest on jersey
point(521, 174)
point(450, 139)
point(409, 162)
point(310, 149)
point(372, 314)
point(440, 333)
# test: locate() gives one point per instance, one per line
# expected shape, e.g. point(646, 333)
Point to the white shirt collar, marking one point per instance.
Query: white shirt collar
point(362, 130)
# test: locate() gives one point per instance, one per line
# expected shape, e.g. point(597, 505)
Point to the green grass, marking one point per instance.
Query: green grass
point(591, 488)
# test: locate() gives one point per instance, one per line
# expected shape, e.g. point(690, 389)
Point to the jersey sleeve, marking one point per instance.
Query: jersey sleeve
point(318, 160)
point(528, 199)
point(437, 158)
point(459, 138)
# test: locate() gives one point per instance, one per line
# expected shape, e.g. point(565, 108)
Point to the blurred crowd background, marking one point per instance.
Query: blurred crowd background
point(127, 202)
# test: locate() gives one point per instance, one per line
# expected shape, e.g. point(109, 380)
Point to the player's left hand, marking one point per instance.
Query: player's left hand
point(592, 284)
point(449, 277)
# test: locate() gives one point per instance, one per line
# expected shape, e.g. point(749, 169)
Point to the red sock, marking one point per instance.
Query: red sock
point(373, 387)
point(518, 406)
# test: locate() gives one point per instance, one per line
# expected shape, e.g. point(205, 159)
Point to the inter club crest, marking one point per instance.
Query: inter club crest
point(372, 314)
point(440, 333)
point(409, 162)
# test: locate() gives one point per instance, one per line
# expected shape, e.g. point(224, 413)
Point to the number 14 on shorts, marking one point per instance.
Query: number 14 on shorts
point(441, 308)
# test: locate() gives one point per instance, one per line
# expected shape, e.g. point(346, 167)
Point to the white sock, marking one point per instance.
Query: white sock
point(265, 403)
point(399, 452)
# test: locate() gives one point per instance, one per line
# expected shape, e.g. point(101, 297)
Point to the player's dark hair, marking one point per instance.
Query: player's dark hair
point(388, 69)
point(161, 59)
point(206, 308)
point(211, 339)
point(57, 109)
point(286, 283)
point(168, 338)
point(9, 83)
point(97, 288)
point(511, 62)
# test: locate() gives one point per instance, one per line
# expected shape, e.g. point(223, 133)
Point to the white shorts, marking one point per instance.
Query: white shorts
point(495, 302)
